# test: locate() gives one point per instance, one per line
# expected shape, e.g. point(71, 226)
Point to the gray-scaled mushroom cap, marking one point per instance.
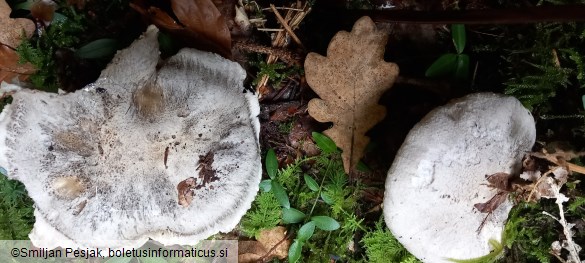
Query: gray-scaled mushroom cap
point(439, 174)
point(106, 166)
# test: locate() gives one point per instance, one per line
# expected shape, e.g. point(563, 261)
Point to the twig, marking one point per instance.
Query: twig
point(525, 15)
point(284, 8)
point(292, 19)
point(271, 29)
point(552, 158)
point(558, 257)
point(284, 54)
point(286, 26)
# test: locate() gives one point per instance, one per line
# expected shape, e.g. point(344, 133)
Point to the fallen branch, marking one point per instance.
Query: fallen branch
point(525, 15)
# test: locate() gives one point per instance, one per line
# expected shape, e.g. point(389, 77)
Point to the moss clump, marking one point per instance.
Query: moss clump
point(16, 210)
point(382, 247)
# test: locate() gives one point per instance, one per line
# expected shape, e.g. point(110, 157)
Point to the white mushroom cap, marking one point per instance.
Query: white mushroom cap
point(103, 164)
point(440, 171)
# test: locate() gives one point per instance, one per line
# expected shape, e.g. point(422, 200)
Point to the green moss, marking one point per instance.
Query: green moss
point(529, 233)
point(276, 72)
point(543, 60)
point(16, 210)
point(286, 127)
point(264, 214)
point(382, 247)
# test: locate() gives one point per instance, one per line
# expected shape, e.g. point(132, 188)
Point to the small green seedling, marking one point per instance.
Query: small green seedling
point(291, 215)
point(450, 63)
point(317, 205)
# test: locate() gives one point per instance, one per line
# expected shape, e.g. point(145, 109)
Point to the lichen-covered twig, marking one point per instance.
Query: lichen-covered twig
point(571, 246)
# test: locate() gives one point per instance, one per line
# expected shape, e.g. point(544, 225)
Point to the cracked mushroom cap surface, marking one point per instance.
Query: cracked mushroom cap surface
point(439, 174)
point(106, 166)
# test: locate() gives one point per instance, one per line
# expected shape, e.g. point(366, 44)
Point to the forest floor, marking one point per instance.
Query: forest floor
point(540, 63)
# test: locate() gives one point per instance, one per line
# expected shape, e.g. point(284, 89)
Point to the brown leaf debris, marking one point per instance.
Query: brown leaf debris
point(185, 191)
point(43, 11)
point(200, 24)
point(13, 28)
point(10, 69)
point(10, 37)
point(350, 81)
point(271, 243)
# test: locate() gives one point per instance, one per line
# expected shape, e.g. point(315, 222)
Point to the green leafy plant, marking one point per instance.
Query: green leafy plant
point(101, 48)
point(317, 207)
point(291, 215)
point(456, 64)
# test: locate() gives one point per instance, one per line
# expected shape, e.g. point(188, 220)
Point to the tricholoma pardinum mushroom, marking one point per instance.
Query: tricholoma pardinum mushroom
point(156, 149)
point(439, 174)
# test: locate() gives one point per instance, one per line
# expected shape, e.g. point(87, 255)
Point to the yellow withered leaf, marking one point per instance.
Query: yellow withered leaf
point(350, 81)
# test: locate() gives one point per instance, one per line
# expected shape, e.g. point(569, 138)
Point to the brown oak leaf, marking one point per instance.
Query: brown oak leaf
point(13, 28)
point(199, 23)
point(350, 80)
point(271, 243)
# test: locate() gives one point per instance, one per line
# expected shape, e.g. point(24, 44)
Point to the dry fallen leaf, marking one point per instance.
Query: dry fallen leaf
point(500, 181)
point(185, 191)
point(200, 24)
point(10, 68)
point(13, 28)
point(350, 81)
point(43, 11)
point(270, 244)
point(493, 203)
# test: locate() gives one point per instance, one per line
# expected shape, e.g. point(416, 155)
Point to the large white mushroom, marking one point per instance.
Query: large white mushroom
point(439, 174)
point(156, 149)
